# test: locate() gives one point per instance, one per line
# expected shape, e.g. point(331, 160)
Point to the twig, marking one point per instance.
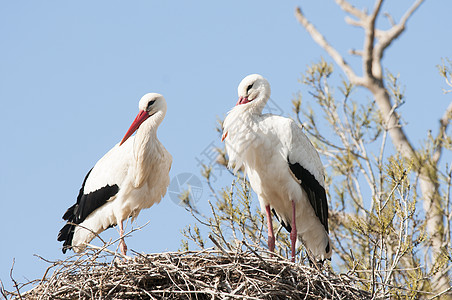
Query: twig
point(444, 123)
point(16, 286)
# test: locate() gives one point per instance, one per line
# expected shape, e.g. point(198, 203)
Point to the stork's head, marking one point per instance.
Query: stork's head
point(254, 90)
point(150, 104)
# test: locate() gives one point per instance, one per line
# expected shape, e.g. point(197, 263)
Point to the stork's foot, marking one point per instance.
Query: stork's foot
point(293, 232)
point(293, 240)
point(122, 243)
point(123, 247)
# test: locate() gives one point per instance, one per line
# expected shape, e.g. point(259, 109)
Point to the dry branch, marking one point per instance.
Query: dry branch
point(205, 274)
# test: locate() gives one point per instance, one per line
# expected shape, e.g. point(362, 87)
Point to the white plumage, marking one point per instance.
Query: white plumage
point(132, 176)
point(283, 167)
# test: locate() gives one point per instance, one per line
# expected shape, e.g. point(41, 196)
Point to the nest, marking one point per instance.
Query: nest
point(204, 274)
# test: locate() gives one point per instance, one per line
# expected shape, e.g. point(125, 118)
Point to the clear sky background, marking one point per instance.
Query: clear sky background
point(72, 73)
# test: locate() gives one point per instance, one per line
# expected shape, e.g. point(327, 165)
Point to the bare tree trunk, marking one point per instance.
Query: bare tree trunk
point(375, 42)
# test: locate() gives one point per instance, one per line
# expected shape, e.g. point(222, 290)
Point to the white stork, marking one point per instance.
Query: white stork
point(283, 167)
point(132, 176)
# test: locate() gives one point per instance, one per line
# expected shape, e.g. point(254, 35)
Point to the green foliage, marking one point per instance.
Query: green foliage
point(377, 224)
point(445, 70)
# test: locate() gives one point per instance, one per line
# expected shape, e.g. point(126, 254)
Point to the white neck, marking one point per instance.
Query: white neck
point(144, 146)
point(148, 130)
point(257, 105)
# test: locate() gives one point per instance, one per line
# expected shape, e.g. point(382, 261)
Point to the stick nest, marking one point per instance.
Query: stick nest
point(205, 274)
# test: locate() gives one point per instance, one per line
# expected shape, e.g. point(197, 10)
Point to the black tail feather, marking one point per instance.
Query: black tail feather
point(65, 235)
point(286, 226)
point(86, 204)
point(69, 212)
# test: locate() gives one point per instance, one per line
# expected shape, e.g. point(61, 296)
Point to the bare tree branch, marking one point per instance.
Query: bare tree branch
point(369, 39)
point(353, 22)
point(390, 19)
point(409, 12)
point(444, 123)
point(320, 39)
point(387, 37)
point(351, 9)
point(355, 52)
point(16, 286)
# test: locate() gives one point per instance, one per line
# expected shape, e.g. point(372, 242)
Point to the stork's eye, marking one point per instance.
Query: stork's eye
point(150, 104)
point(249, 88)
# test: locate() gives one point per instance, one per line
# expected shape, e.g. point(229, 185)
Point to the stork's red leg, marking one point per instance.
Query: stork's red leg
point(271, 236)
point(293, 233)
point(122, 243)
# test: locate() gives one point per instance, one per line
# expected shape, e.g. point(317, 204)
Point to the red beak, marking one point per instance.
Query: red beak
point(141, 117)
point(242, 100)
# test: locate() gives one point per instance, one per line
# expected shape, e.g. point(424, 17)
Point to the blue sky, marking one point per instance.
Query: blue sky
point(71, 75)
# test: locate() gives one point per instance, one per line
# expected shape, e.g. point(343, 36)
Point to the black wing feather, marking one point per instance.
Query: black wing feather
point(286, 226)
point(86, 204)
point(316, 193)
